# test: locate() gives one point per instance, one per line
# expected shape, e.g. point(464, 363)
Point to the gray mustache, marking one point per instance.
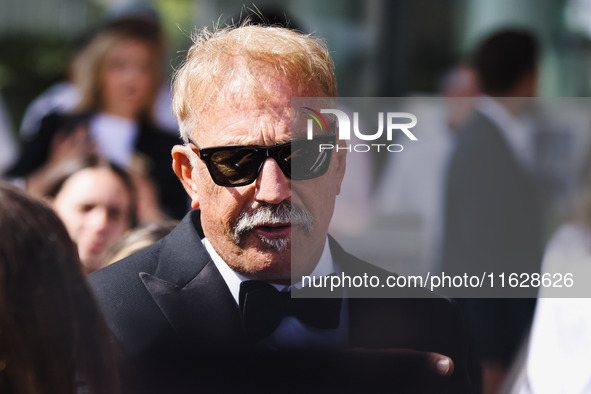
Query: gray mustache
point(284, 212)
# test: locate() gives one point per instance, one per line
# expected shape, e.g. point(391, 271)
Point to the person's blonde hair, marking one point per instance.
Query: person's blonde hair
point(217, 58)
point(135, 240)
point(89, 69)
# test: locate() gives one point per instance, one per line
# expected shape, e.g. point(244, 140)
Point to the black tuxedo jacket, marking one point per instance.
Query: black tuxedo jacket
point(170, 310)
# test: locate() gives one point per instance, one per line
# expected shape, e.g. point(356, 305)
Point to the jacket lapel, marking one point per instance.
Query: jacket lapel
point(190, 291)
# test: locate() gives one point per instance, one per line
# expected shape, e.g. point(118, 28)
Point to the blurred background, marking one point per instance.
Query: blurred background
point(392, 205)
point(381, 47)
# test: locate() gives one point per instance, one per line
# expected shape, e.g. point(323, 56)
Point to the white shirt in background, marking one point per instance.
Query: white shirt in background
point(559, 355)
point(114, 137)
point(518, 132)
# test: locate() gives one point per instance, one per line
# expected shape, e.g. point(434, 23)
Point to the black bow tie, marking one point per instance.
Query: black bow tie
point(263, 307)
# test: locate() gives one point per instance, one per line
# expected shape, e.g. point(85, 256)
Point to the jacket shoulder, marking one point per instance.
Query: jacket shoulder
point(124, 273)
point(128, 308)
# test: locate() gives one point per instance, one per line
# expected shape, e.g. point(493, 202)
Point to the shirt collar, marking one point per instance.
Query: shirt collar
point(233, 279)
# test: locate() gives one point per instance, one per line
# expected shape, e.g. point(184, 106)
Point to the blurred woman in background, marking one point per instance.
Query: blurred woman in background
point(119, 75)
point(95, 200)
point(53, 339)
point(560, 338)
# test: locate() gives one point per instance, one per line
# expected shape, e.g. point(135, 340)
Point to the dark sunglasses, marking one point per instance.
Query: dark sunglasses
point(239, 165)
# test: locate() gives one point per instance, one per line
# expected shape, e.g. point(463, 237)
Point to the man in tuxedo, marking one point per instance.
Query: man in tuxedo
point(492, 213)
point(206, 308)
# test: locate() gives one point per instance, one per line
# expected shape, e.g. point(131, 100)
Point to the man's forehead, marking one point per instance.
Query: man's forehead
point(247, 118)
point(259, 84)
point(245, 125)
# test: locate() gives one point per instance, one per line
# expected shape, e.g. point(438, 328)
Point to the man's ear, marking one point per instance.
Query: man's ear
point(340, 159)
point(181, 164)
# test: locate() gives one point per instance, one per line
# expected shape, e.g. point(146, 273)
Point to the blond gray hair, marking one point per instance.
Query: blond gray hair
point(220, 56)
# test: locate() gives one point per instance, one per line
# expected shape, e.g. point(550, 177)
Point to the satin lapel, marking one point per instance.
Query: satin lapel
point(202, 310)
point(190, 291)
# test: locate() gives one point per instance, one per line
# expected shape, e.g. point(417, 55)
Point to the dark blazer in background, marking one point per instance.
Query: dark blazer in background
point(170, 310)
point(153, 144)
point(492, 224)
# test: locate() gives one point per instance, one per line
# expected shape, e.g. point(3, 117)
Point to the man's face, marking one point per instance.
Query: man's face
point(264, 250)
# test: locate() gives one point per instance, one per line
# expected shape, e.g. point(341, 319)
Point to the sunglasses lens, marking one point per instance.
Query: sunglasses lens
point(240, 165)
point(306, 160)
point(235, 166)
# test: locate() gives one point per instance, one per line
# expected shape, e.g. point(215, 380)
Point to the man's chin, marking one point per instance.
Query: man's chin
point(268, 266)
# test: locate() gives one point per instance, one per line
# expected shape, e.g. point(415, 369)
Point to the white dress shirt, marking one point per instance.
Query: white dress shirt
point(114, 137)
point(518, 132)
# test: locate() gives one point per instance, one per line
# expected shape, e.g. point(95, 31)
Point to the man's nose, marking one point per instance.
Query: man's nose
point(272, 186)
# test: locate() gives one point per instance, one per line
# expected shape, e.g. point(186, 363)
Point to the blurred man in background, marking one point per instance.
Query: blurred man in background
point(492, 215)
